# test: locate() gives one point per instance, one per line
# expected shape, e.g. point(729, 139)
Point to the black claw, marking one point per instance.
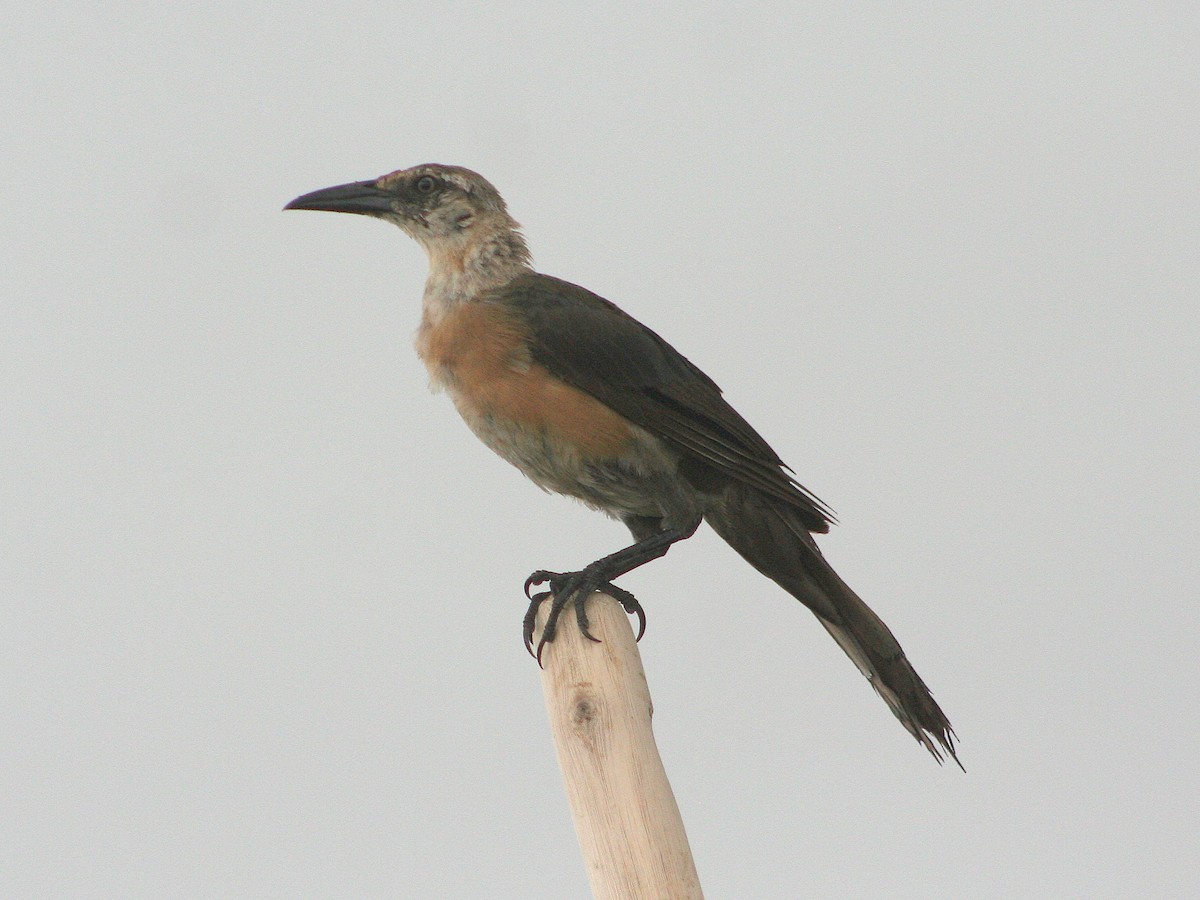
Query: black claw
point(531, 619)
point(541, 576)
point(559, 597)
point(641, 617)
point(563, 587)
point(630, 604)
point(581, 616)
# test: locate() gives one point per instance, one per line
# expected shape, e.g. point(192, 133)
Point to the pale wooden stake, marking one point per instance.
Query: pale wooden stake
point(626, 818)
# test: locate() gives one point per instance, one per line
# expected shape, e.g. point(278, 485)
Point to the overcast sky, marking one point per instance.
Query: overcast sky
point(260, 591)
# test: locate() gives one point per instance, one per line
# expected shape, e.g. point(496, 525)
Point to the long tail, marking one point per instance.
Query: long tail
point(772, 539)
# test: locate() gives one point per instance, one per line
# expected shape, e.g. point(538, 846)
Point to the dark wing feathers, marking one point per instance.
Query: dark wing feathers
point(595, 346)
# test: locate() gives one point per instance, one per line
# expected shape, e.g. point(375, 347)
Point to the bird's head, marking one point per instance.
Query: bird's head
point(434, 204)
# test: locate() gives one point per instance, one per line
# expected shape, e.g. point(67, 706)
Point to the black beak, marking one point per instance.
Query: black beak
point(361, 197)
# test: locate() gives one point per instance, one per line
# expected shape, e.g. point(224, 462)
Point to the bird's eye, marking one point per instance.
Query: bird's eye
point(426, 183)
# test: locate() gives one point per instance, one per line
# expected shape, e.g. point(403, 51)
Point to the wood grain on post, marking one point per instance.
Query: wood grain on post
point(626, 818)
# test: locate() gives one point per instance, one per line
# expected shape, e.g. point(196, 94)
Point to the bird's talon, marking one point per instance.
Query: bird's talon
point(530, 620)
point(564, 587)
point(630, 604)
point(581, 616)
point(541, 576)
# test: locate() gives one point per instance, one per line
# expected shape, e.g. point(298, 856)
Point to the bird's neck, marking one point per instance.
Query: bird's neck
point(465, 266)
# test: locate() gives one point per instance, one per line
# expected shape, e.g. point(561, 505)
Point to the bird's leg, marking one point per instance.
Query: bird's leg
point(597, 576)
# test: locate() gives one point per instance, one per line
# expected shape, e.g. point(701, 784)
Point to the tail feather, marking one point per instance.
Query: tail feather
point(771, 538)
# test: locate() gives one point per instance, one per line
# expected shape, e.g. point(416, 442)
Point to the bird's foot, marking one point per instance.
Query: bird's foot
point(563, 587)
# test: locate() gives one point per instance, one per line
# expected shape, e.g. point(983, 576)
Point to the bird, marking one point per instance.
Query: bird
point(588, 402)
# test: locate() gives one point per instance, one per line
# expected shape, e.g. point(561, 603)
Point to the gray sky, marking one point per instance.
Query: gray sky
point(261, 591)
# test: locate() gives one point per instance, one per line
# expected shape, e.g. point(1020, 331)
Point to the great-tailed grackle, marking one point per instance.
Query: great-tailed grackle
point(588, 402)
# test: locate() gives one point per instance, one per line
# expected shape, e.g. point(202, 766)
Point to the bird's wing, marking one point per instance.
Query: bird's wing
point(596, 347)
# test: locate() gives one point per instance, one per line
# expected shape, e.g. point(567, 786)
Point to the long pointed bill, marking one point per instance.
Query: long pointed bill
point(361, 197)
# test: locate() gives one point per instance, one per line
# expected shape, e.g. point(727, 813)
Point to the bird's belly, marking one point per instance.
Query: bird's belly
point(627, 482)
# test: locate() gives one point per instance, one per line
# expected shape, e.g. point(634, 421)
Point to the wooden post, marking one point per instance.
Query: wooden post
point(626, 818)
